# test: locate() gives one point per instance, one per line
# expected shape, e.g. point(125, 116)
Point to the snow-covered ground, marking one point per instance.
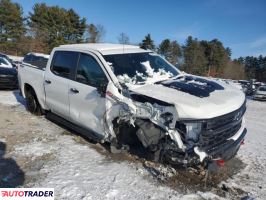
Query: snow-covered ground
point(39, 153)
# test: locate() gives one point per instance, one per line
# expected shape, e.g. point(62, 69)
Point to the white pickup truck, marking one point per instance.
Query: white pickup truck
point(133, 98)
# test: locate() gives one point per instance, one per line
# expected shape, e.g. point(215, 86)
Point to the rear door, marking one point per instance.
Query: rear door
point(56, 81)
point(87, 105)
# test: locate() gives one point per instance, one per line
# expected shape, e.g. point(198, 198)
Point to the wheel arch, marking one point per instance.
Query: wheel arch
point(27, 88)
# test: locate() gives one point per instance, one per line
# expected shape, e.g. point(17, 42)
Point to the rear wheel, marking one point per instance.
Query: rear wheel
point(32, 103)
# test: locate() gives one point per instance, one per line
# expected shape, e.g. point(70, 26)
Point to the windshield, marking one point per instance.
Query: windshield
point(140, 66)
point(2, 61)
point(262, 89)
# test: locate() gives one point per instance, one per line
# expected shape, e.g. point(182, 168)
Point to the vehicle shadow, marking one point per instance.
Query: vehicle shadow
point(10, 173)
point(19, 97)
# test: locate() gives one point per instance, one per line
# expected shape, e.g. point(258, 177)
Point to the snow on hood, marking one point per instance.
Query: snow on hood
point(195, 97)
point(141, 79)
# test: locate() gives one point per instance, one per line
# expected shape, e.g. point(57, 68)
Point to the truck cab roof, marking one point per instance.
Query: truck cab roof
point(105, 48)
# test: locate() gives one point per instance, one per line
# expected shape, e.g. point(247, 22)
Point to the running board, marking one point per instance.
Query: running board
point(87, 133)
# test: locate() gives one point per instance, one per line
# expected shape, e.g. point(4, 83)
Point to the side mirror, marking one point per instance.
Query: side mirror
point(102, 89)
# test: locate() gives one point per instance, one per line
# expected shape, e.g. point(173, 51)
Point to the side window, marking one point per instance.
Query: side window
point(34, 61)
point(27, 58)
point(39, 61)
point(89, 71)
point(64, 62)
point(43, 62)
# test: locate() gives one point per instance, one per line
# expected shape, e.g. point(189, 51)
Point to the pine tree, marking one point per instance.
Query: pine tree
point(95, 33)
point(147, 43)
point(76, 27)
point(164, 48)
point(55, 25)
point(217, 56)
point(170, 50)
point(11, 21)
point(194, 58)
point(175, 52)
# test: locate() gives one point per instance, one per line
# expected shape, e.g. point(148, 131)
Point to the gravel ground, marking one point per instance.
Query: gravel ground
point(35, 152)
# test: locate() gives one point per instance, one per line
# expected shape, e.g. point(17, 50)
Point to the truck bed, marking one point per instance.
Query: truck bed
point(34, 77)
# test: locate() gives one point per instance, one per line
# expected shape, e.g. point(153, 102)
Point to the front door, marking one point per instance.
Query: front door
point(87, 106)
point(56, 82)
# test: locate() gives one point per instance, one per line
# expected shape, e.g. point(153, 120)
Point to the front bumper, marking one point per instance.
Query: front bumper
point(229, 149)
point(8, 82)
point(221, 137)
point(259, 97)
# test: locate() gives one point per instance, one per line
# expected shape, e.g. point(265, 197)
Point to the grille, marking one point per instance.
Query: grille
point(216, 131)
point(5, 80)
point(8, 80)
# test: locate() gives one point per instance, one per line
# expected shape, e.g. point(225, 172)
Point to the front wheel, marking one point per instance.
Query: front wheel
point(32, 103)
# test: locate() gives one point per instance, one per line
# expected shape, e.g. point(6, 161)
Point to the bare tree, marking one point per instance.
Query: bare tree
point(234, 70)
point(95, 33)
point(123, 38)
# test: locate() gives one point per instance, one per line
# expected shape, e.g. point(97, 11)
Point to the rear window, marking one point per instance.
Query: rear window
point(262, 89)
point(37, 61)
point(64, 63)
point(27, 58)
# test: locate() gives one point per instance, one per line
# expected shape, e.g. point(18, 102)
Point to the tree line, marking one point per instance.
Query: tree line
point(44, 28)
point(48, 26)
point(208, 58)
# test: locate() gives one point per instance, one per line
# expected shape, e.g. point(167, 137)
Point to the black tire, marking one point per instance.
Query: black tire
point(32, 103)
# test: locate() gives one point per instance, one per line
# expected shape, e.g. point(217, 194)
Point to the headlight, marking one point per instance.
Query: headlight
point(193, 130)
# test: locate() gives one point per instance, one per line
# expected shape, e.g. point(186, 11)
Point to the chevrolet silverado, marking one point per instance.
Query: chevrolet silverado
point(131, 97)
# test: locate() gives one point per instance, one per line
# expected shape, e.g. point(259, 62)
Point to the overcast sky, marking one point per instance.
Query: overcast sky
point(239, 24)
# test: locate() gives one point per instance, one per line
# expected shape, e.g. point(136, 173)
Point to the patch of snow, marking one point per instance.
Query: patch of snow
point(11, 98)
point(85, 172)
point(253, 177)
point(140, 79)
point(201, 154)
point(149, 70)
point(36, 149)
point(79, 171)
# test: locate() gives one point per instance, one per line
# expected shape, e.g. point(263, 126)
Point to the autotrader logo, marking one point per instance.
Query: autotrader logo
point(27, 193)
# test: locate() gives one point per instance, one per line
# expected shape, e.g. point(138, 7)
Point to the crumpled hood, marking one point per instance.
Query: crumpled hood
point(195, 97)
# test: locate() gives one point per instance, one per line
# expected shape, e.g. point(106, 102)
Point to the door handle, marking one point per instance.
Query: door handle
point(48, 81)
point(74, 90)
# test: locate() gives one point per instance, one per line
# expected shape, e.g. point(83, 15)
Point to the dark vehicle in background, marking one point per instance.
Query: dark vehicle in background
point(260, 93)
point(247, 87)
point(5, 63)
point(8, 73)
point(8, 59)
point(8, 78)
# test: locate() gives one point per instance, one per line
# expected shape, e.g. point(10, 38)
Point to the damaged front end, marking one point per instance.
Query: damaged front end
point(155, 126)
